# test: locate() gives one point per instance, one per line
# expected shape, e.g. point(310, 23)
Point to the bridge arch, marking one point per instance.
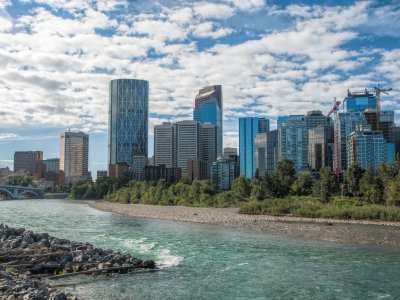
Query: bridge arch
point(6, 193)
point(27, 192)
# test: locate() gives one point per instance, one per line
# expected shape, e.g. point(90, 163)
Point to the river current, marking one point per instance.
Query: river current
point(206, 262)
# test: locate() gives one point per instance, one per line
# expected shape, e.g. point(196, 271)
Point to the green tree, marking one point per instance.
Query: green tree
point(393, 193)
point(353, 176)
point(19, 180)
point(302, 186)
point(284, 177)
point(326, 186)
point(371, 187)
point(241, 188)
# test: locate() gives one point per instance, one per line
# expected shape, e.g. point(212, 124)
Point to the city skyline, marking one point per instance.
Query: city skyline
point(271, 59)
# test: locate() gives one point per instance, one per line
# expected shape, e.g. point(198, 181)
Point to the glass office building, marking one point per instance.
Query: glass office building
point(248, 129)
point(208, 110)
point(127, 120)
point(284, 119)
point(359, 101)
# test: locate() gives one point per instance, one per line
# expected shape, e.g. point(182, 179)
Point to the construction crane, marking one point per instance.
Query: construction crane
point(377, 90)
point(335, 107)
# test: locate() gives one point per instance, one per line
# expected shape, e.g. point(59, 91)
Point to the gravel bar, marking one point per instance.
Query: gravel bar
point(343, 231)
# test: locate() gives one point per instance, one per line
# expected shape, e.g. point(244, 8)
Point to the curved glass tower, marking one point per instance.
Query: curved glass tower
point(127, 120)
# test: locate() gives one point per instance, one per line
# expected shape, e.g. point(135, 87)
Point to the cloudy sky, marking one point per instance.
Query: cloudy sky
point(271, 57)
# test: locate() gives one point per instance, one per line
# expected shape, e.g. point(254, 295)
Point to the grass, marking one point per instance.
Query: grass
point(338, 208)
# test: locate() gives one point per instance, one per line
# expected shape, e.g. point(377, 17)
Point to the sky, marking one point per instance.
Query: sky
point(272, 58)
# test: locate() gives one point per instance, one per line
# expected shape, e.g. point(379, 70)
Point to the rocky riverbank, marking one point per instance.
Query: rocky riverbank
point(332, 230)
point(27, 259)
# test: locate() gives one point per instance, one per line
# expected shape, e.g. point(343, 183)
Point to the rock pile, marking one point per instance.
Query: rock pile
point(26, 257)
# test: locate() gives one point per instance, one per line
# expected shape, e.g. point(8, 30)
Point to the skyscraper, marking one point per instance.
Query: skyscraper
point(293, 143)
point(359, 101)
point(315, 118)
point(188, 143)
point(209, 109)
point(248, 129)
point(74, 156)
point(284, 119)
point(127, 120)
point(263, 125)
point(266, 152)
point(165, 145)
point(320, 147)
point(208, 145)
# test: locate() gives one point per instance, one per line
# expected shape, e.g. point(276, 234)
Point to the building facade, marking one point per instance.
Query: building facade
point(209, 109)
point(208, 145)
point(293, 143)
point(320, 148)
point(223, 173)
point(368, 148)
point(345, 123)
point(74, 156)
point(197, 169)
point(266, 152)
point(284, 119)
point(101, 174)
point(127, 120)
point(248, 129)
point(165, 145)
point(156, 173)
point(28, 160)
point(263, 125)
point(137, 167)
point(315, 118)
point(188, 143)
point(359, 101)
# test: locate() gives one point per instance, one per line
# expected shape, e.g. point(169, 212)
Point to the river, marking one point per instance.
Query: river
point(205, 262)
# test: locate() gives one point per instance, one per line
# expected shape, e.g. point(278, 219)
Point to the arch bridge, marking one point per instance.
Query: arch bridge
point(17, 192)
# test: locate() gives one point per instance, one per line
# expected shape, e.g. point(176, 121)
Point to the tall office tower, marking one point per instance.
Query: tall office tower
point(284, 119)
point(165, 145)
point(315, 118)
point(345, 123)
point(266, 152)
point(320, 147)
point(263, 125)
point(208, 109)
point(74, 156)
point(127, 120)
point(248, 129)
point(188, 143)
point(27, 160)
point(368, 148)
point(359, 101)
point(208, 145)
point(293, 143)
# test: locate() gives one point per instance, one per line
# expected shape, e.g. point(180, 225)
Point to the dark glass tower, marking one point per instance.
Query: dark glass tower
point(127, 120)
point(208, 110)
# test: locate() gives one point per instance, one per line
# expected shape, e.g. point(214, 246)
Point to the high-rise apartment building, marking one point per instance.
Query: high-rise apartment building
point(248, 129)
point(359, 101)
point(52, 165)
point(293, 143)
point(386, 122)
point(137, 167)
point(74, 156)
point(368, 148)
point(188, 143)
point(208, 145)
point(209, 109)
point(345, 123)
point(165, 145)
point(28, 160)
point(127, 120)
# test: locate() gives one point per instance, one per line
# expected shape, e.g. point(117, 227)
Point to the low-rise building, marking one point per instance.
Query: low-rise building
point(223, 173)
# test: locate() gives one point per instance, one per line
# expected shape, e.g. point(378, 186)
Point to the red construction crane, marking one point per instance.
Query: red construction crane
point(334, 108)
point(378, 91)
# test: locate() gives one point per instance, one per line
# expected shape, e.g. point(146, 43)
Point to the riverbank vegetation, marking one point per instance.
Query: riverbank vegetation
point(365, 194)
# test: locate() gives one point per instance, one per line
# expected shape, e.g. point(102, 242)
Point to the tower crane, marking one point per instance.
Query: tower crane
point(335, 107)
point(377, 90)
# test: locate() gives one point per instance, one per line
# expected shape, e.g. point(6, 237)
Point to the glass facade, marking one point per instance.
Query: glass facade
point(127, 120)
point(208, 110)
point(359, 101)
point(248, 129)
point(223, 173)
point(284, 119)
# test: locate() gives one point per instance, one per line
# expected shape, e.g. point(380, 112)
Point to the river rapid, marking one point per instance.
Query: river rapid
point(206, 262)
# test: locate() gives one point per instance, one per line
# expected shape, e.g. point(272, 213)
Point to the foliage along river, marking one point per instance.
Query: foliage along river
point(205, 262)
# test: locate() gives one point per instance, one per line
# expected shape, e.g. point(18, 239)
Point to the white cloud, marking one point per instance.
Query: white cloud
point(248, 4)
point(8, 136)
point(182, 16)
point(159, 30)
point(208, 30)
point(4, 3)
point(213, 11)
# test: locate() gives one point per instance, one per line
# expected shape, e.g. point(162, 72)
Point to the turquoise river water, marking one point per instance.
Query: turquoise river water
point(205, 262)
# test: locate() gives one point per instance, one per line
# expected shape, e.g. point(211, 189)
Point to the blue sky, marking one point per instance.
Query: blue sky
point(271, 57)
